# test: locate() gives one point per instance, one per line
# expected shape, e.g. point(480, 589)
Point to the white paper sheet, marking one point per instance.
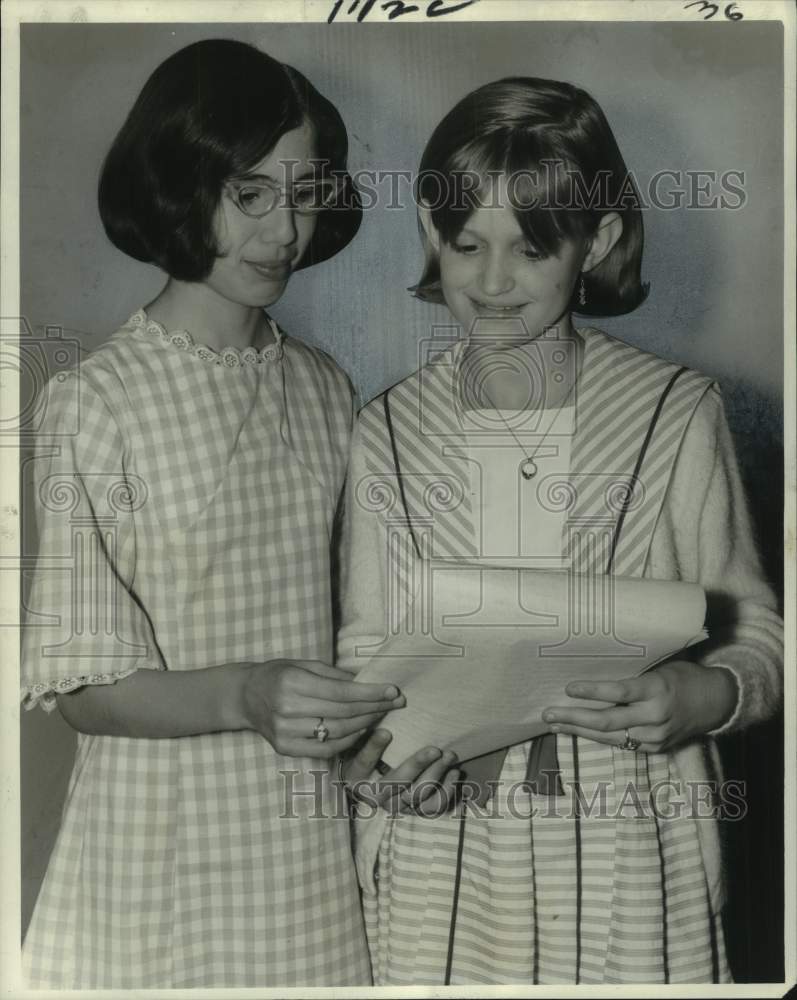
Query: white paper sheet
point(493, 647)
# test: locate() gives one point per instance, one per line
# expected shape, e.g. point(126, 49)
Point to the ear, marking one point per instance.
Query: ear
point(425, 215)
point(609, 231)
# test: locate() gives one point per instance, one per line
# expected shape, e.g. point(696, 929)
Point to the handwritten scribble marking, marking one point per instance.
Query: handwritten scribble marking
point(396, 8)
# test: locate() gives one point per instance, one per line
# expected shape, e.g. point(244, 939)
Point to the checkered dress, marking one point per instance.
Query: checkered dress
point(185, 522)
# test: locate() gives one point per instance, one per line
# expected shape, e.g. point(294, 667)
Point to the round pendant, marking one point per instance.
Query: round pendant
point(528, 469)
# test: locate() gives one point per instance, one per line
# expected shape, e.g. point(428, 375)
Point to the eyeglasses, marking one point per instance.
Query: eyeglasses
point(258, 198)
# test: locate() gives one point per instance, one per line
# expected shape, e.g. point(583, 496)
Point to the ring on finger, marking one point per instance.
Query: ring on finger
point(630, 743)
point(321, 733)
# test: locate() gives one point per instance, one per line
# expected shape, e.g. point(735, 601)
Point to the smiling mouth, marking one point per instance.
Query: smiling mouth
point(276, 271)
point(492, 310)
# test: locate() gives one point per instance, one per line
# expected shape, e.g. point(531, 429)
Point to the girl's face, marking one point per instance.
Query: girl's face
point(490, 272)
point(259, 255)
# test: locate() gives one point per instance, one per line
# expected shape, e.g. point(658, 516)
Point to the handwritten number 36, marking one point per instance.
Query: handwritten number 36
point(710, 9)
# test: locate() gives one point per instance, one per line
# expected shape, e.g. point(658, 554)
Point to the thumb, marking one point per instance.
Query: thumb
point(362, 764)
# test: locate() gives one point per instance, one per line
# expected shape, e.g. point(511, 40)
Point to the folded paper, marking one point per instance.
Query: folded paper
point(486, 649)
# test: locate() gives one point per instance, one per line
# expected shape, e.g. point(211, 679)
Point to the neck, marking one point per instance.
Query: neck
point(523, 375)
point(209, 318)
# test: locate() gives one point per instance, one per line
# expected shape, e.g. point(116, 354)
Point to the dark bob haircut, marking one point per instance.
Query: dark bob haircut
point(565, 172)
point(210, 112)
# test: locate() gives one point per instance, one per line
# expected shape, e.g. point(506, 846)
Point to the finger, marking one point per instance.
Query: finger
point(616, 737)
point(429, 781)
point(331, 748)
point(416, 778)
point(442, 800)
point(314, 749)
point(305, 728)
point(451, 784)
point(411, 768)
point(363, 763)
point(431, 796)
point(402, 777)
point(315, 685)
point(321, 669)
point(434, 774)
point(317, 708)
point(606, 720)
point(629, 689)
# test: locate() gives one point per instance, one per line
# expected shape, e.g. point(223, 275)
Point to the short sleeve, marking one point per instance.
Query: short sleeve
point(364, 576)
point(82, 622)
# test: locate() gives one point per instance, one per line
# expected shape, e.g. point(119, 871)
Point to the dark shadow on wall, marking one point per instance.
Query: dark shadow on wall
point(753, 847)
point(47, 751)
point(753, 855)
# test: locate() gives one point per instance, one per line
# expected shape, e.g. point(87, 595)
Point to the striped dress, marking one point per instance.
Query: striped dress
point(546, 896)
point(185, 503)
point(531, 889)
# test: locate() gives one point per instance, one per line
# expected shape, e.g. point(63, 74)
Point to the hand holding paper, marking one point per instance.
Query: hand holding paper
point(668, 706)
point(502, 645)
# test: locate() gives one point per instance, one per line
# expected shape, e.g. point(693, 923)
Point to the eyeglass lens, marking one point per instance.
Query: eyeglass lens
point(259, 198)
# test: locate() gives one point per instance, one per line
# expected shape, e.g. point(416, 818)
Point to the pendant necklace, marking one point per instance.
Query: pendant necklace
point(528, 468)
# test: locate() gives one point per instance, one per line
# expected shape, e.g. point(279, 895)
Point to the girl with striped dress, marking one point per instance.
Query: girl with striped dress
point(591, 853)
point(186, 483)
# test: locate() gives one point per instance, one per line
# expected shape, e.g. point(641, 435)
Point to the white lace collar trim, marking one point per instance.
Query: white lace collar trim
point(228, 357)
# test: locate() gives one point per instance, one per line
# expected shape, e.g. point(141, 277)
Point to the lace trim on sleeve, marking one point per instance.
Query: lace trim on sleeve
point(45, 692)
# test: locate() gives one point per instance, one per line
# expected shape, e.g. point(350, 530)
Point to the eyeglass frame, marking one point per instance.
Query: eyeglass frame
point(233, 188)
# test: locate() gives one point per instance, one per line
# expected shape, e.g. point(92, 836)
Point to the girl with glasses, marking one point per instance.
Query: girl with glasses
point(201, 844)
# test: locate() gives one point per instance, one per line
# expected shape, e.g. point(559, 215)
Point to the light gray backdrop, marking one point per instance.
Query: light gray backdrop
point(679, 96)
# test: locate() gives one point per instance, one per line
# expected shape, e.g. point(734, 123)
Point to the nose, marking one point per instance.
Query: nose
point(496, 277)
point(279, 226)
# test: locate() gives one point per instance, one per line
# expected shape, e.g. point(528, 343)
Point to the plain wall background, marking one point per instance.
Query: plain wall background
point(678, 96)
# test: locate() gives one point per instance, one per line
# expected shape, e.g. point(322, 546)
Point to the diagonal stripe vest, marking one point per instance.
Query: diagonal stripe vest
point(631, 412)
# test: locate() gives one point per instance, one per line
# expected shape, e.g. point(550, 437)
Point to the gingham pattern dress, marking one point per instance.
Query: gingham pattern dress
point(186, 523)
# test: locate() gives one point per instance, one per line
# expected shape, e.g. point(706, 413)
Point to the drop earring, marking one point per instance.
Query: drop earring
point(582, 293)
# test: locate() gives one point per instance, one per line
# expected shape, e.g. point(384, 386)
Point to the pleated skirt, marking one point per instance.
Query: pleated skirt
point(603, 887)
